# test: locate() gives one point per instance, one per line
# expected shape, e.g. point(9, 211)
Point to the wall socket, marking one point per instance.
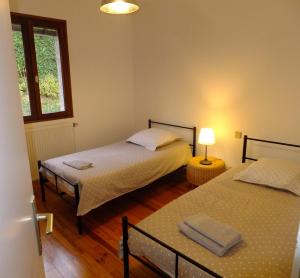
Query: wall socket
point(238, 134)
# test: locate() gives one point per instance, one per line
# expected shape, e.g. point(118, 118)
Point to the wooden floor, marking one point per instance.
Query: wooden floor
point(95, 253)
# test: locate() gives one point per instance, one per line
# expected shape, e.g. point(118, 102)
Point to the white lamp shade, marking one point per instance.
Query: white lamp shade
point(206, 136)
point(119, 6)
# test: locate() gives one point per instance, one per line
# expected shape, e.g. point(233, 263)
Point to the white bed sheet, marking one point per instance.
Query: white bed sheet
point(117, 169)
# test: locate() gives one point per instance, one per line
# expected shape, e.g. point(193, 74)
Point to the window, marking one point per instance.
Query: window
point(42, 57)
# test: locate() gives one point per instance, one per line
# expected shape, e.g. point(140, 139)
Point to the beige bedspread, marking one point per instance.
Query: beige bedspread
point(117, 169)
point(268, 220)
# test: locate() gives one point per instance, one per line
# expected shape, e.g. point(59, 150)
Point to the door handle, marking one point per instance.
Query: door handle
point(46, 217)
point(41, 217)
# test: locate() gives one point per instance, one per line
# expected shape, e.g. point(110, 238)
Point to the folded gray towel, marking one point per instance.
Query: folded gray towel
point(215, 236)
point(218, 232)
point(79, 165)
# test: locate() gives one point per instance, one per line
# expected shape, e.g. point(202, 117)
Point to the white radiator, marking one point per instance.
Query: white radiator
point(49, 141)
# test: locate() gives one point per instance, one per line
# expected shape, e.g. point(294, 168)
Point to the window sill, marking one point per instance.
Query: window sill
point(52, 118)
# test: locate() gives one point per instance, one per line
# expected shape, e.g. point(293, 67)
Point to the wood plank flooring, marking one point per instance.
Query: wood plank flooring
point(95, 253)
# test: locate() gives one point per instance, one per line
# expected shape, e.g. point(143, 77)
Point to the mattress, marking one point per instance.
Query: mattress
point(268, 220)
point(117, 169)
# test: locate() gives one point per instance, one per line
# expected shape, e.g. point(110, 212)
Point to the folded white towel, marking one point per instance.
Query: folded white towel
point(218, 232)
point(215, 236)
point(79, 165)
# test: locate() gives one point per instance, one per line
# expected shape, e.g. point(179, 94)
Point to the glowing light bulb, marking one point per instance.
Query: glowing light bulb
point(119, 7)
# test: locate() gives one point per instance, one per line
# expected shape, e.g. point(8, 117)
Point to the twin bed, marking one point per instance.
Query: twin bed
point(268, 220)
point(117, 169)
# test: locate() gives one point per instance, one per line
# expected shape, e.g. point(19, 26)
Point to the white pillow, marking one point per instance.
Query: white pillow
point(152, 138)
point(277, 173)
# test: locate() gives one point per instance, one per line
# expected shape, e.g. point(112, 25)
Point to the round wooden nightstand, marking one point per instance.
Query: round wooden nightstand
point(198, 174)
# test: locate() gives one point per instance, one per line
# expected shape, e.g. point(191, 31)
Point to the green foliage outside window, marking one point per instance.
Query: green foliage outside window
point(47, 70)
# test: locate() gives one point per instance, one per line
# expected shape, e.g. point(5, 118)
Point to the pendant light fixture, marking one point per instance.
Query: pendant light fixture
point(119, 6)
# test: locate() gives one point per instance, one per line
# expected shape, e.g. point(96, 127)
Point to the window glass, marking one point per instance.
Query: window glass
point(50, 79)
point(21, 69)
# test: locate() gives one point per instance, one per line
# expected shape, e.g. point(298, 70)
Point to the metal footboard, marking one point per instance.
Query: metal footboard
point(126, 253)
point(43, 180)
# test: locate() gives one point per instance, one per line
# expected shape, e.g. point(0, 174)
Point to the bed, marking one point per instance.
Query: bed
point(268, 220)
point(117, 169)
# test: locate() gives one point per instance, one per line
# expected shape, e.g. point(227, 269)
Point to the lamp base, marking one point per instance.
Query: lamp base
point(205, 162)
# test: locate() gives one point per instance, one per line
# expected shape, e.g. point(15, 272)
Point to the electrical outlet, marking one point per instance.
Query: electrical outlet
point(238, 134)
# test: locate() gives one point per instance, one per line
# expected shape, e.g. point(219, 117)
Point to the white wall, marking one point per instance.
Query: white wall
point(100, 48)
point(232, 65)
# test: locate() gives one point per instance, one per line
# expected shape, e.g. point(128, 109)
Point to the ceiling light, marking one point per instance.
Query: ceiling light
point(119, 6)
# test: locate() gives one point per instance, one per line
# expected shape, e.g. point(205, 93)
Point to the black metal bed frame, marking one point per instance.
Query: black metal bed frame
point(127, 253)
point(43, 180)
point(194, 129)
point(245, 144)
point(126, 225)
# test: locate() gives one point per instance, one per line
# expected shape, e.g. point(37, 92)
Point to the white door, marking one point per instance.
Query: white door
point(19, 255)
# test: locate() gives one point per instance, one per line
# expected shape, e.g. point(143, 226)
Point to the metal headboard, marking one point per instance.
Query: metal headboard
point(194, 129)
point(246, 139)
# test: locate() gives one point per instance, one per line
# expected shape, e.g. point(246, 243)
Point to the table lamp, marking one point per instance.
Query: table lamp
point(207, 138)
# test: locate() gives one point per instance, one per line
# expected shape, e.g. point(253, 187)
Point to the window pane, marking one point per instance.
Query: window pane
point(49, 70)
point(21, 68)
